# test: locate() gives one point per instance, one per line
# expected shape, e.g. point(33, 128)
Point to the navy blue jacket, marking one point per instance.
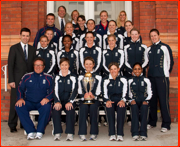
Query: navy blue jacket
point(65, 88)
point(80, 32)
point(139, 89)
point(34, 87)
point(114, 90)
point(100, 28)
point(121, 30)
point(159, 60)
point(57, 34)
point(51, 46)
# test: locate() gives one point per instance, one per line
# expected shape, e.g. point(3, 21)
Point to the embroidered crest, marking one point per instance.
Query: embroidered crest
point(44, 81)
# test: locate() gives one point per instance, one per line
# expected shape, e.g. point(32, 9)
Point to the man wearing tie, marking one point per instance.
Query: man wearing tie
point(20, 61)
point(61, 21)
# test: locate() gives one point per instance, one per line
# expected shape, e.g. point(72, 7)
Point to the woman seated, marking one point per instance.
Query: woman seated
point(114, 89)
point(65, 92)
point(139, 93)
point(92, 109)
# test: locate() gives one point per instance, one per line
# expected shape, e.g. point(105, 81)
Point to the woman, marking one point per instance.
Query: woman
point(139, 94)
point(70, 53)
point(82, 26)
point(160, 66)
point(65, 92)
point(69, 31)
point(127, 35)
point(91, 108)
point(114, 89)
point(90, 49)
point(112, 30)
point(135, 52)
point(74, 16)
point(122, 18)
point(47, 54)
point(112, 54)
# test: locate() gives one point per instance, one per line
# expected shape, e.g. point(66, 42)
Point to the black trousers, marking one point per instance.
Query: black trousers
point(160, 88)
point(110, 112)
point(70, 120)
point(93, 110)
point(139, 110)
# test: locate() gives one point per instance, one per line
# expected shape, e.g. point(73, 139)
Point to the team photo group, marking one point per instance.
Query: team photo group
point(82, 68)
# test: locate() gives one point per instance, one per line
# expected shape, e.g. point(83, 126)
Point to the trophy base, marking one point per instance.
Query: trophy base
point(88, 102)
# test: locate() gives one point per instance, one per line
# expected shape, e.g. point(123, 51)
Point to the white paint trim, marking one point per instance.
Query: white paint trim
point(128, 9)
point(89, 9)
point(50, 7)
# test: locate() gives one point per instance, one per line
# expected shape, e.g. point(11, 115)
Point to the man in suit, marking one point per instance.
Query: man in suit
point(20, 61)
point(61, 21)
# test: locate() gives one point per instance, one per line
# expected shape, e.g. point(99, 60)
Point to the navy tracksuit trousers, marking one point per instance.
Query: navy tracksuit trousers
point(137, 109)
point(43, 119)
point(70, 120)
point(160, 88)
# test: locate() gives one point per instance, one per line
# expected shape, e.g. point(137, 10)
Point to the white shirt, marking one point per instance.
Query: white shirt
point(59, 18)
point(22, 44)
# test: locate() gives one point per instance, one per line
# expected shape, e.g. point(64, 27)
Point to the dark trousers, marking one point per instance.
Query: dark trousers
point(13, 117)
point(160, 88)
point(70, 120)
point(120, 119)
point(93, 110)
point(43, 119)
point(139, 110)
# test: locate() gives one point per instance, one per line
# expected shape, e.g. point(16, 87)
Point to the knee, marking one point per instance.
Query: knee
point(46, 107)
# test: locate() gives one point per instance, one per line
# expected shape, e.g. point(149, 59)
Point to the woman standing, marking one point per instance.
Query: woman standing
point(114, 89)
point(74, 16)
point(122, 18)
point(92, 109)
point(82, 26)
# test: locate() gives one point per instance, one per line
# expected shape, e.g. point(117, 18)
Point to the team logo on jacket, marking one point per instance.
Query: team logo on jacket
point(47, 55)
point(158, 51)
point(30, 80)
point(51, 45)
point(133, 83)
point(63, 56)
point(140, 48)
point(142, 83)
point(68, 81)
point(72, 55)
point(149, 52)
point(94, 51)
point(39, 55)
point(44, 81)
point(110, 85)
point(130, 48)
point(107, 54)
point(54, 33)
point(119, 84)
point(60, 81)
point(85, 52)
point(116, 54)
point(73, 41)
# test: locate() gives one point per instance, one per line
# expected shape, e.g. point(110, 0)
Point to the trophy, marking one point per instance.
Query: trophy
point(88, 79)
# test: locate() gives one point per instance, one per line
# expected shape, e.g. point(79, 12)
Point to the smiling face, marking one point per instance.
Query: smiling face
point(25, 36)
point(154, 37)
point(90, 25)
point(50, 20)
point(75, 16)
point(89, 38)
point(114, 71)
point(111, 42)
point(81, 22)
point(49, 34)
point(44, 42)
point(69, 28)
point(137, 70)
point(64, 66)
point(128, 26)
point(122, 16)
point(61, 12)
point(89, 65)
point(112, 26)
point(38, 66)
point(104, 17)
point(67, 42)
point(134, 35)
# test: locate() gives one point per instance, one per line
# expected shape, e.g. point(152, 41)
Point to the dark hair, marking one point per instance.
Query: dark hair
point(50, 14)
point(43, 36)
point(89, 32)
point(111, 35)
point(72, 13)
point(137, 63)
point(62, 7)
point(64, 59)
point(102, 12)
point(68, 36)
point(25, 30)
point(49, 29)
point(154, 30)
point(129, 22)
point(113, 21)
point(90, 20)
point(113, 63)
point(134, 29)
point(89, 58)
point(41, 59)
point(82, 17)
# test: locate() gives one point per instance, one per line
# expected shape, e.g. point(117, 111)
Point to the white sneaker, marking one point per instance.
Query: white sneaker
point(39, 135)
point(119, 138)
point(93, 137)
point(105, 124)
point(57, 137)
point(82, 137)
point(164, 130)
point(129, 123)
point(31, 136)
point(143, 138)
point(112, 138)
point(136, 138)
point(69, 137)
point(99, 124)
point(149, 127)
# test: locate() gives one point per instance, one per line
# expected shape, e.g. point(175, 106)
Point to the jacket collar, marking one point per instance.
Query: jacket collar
point(60, 73)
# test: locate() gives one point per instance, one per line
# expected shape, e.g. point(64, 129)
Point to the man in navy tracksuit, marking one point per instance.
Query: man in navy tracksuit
point(35, 92)
point(50, 18)
point(160, 66)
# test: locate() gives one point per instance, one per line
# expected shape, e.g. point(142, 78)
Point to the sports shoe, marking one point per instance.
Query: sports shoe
point(76, 123)
point(99, 124)
point(39, 135)
point(31, 136)
point(69, 137)
point(129, 123)
point(105, 124)
point(136, 138)
point(143, 138)
point(82, 137)
point(119, 138)
point(93, 137)
point(164, 130)
point(149, 127)
point(57, 137)
point(112, 138)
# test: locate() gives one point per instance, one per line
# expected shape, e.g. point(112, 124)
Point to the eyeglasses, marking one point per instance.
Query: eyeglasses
point(36, 65)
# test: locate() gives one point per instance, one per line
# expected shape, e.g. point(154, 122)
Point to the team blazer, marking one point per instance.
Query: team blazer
point(57, 22)
point(17, 65)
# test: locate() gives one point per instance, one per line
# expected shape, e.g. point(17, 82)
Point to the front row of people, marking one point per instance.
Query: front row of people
point(35, 92)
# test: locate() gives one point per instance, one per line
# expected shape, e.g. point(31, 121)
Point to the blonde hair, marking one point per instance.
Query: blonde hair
point(119, 24)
